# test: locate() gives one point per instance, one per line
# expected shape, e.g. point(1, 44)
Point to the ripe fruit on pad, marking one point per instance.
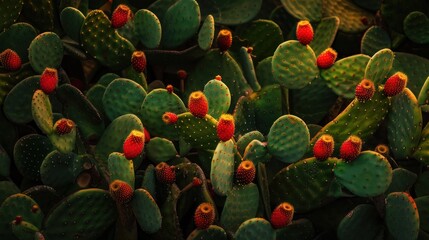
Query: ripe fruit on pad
point(63, 126)
point(198, 104)
point(121, 191)
point(10, 60)
point(169, 88)
point(49, 80)
point(165, 173)
point(282, 215)
point(133, 144)
point(169, 118)
point(365, 90)
point(304, 32)
point(395, 84)
point(245, 172)
point(138, 61)
point(146, 135)
point(182, 74)
point(224, 40)
point(327, 58)
point(204, 215)
point(225, 127)
point(324, 147)
point(351, 148)
point(120, 16)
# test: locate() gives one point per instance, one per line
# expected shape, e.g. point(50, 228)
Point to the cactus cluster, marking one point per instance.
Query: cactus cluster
point(195, 119)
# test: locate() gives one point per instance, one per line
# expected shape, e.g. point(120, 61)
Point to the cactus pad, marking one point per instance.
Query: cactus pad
point(123, 96)
point(256, 152)
point(46, 50)
point(69, 219)
point(42, 111)
point(404, 125)
point(368, 175)
point(18, 38)
point(146, 211)
point(288, 139)
point(97, 29)
point(225, 12)
point(10, 12)
point(345, 74)
point(402, 217)
point(222, 168)
point(121, 168)
point(218, 97)
point(199, 132)
point(294, 65)
point(180, 23)
point(375, 39)
point(71, 21)
point(160, 150)
point(241, 204)
point(211, 233)
point(379, 66)
point(244, 140)
point(324, 34)
point(304, 184)
point(148, 28)
point(308, 9)
point(255, 228)
point(363, 222)
point(206, 33)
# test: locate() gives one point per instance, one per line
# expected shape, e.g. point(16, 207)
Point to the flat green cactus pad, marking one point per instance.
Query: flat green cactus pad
point(211, 233)
point(121, 168)
point(255, 228)
point(288, 139)
point(379, 66)
point(224, 11)
point(146, 211)
point(363, 222)
point(369, 175)
point(307, 9)
point(324, 34)
point(402, 217)
point(222, 167)
point(294, 64)
point(71, 216)
point(304, 184)
point(18, 205)
point(206, 33)
point(375, 39)
point(42, 111)
point(71, 21)
point(199, 132)
point(148, 28)
point(46, 50)
point(10, 11)
point(18, 38)
point(160, 150)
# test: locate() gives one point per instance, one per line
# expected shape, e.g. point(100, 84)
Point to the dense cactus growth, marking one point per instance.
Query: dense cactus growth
point(201, 120)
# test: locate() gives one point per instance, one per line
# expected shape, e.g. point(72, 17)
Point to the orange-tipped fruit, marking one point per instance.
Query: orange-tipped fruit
point(134, 144)
point(121, 191)
point(245, 172)
point(169, 118)
point(10, 60)
point(224, 40)
point(35, 208)
point(198, 104)
point(304, 32)
point(138, 61)
point(165, 173)
point(327, 58)
point(196, 182)
point(49, 80)
point(351, 148)
point(204, 216)
point(169, 88)
point(395, 84)
point(218, 77)
point(365, 90)
point(225, 127)
point(182, 74)
point(120, 16)
point(324, 147)
point(63, 126)
point(382, 149)
point(282, 215)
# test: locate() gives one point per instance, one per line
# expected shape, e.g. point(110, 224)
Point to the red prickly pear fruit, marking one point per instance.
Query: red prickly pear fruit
point(249, 50)
point(63, 126)
point(182, 74)
point(120, 16)
point(225, 127)
point(35, 208)
point(198, 104)
point(169, 88)
point(18, 220)
point(133, 144)
point(49, 80)
point(351, 148)
point(196, 182)
point(121, 191)
point(146, 135)
point(282, 215)
point(10, 60)
point(169, 118)
point(138, 61)
point(395, 84)
point(327, 58)
point(245, 172)
point(204, 215)
point(304, 32)
point(165, 173)
point(365, 90)
point(324, 147)
point(224, 40)
point(218, 77)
